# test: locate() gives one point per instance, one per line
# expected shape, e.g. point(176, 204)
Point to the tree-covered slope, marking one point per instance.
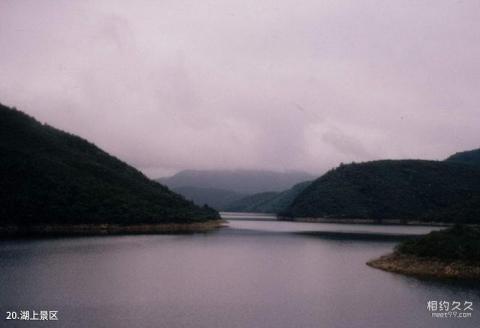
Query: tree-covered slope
point(49, 176)
point(459, 242)
point(467, 157)
point(394, 189)
point(269, 202)
point(252, 203)
point(453, 253)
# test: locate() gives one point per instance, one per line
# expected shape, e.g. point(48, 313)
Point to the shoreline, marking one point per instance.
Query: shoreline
point(366, 221)
point(427, 267)
point(336, 235)
point(69, 230)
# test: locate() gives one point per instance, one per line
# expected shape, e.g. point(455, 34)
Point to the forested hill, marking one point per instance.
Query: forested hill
point(394, 189)
point(268, 202)
point(253, 203)
point(49, 176)
point(467, 157)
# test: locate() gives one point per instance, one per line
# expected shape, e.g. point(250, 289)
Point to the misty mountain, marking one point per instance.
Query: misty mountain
point(469, 157)
point(219, 199)
point(253, 203)
point(268, 202)
point(50, 176)
point(394, 189)
point(240, 181)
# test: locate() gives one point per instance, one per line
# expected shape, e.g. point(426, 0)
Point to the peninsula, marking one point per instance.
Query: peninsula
point(453, 253)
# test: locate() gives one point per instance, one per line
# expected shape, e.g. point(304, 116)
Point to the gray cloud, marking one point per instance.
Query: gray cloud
point(245, 84)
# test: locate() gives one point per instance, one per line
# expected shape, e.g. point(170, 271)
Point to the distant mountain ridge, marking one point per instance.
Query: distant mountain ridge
point(240, 181)
point(253, 203)
point(222, 189)
point(268, 202)
point(219, 199)
point(50, 176)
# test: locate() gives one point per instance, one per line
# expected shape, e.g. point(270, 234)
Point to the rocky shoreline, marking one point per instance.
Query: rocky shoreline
point(427, 267)
point(13, 231)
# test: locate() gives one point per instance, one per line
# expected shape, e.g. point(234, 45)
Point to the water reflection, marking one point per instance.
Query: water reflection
point(252, 274)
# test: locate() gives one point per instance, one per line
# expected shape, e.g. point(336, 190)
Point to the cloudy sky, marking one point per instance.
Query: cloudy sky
point(273, 84)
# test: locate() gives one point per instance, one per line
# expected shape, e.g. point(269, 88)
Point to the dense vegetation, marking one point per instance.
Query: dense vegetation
point(467, 157)
point(456, 243)
point(268, 202)
point(252, 203)
point(49, 176)
point(394, 189)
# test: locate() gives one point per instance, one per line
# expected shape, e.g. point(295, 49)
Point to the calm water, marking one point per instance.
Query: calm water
point(252, 274)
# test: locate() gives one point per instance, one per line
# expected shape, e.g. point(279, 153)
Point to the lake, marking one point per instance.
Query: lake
point(254, 273)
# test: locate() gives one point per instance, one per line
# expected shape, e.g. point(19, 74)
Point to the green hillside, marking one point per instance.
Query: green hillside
point(394, 189)
point(270, 202)
point(49, 176)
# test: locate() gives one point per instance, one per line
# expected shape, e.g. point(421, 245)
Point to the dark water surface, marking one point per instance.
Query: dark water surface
point(252, 274)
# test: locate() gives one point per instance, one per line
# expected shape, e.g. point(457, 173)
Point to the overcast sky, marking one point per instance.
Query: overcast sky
point(275, 84)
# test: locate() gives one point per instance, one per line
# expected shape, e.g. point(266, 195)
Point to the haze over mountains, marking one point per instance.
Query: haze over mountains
point(403, 190)
point(50, 176)
point(220, 188)
point(240, 181)
point(219, 199)
point(268, 202)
